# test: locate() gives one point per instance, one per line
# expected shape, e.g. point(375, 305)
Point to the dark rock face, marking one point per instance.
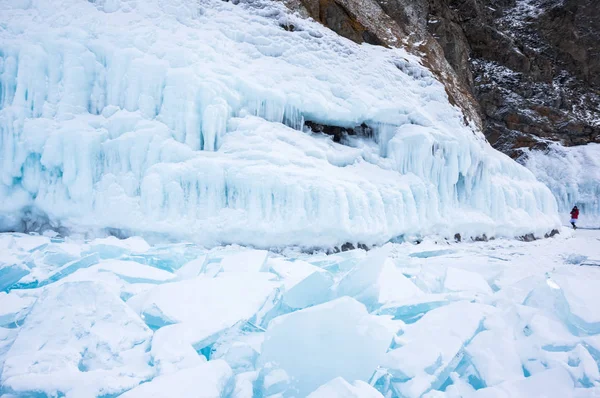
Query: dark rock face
point(526, 71)
point(534, 66)
point(528, 238)
point(348, 246)
point(340, 19)
point(340, 133)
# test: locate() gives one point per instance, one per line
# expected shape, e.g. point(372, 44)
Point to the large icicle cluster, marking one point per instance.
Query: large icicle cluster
point(187, 118)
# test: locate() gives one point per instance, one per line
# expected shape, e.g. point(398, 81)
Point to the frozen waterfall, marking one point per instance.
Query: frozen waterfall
point(573, 175)
point(187, 119)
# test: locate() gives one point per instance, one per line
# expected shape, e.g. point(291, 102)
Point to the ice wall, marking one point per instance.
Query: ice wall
point(573, 175)
point(186, 118)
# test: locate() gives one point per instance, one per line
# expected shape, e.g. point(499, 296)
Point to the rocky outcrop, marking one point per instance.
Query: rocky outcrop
point(357, 21)
point(530, 62)
point(393, 23)
point(525, 71)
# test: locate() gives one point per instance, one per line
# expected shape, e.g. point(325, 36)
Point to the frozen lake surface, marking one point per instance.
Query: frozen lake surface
point(502, 318)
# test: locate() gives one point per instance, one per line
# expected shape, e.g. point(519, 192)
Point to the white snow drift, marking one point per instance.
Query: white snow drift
point(187, 118)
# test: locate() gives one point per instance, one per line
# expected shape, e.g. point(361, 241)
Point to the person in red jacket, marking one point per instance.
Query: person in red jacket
point(574, 216)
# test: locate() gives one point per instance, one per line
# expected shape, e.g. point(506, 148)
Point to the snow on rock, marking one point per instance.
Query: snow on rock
point(462, 280)
point(335, 339)
point(550, 383)
point(340, 388)
point(418, 365)
point(80, 339)
point(210, 379)
point(105, 123)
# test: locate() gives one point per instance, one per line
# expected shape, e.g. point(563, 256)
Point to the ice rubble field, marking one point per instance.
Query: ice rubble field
point(483, 319)
point(187, 118)
point(573, 175)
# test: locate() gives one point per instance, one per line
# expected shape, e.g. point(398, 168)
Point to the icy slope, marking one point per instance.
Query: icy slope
point(573, 175)
point(187, 118)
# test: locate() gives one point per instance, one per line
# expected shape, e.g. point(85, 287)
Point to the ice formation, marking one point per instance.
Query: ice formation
point(304, 284)
point(438, 320)
point(340, 388)
point(431, 365)
point(80, 339)
point(211, 379)
point(573, 175)
point(13, 308)
point(495, 357)
point(550, 383)
point(323, 333)
point(459, 279)
point(233, 297)
point(159, 117)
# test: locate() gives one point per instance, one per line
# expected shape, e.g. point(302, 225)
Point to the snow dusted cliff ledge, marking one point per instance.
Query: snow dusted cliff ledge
point(187, 119)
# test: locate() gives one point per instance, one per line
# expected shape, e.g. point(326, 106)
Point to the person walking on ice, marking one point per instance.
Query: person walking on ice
point(574, 216)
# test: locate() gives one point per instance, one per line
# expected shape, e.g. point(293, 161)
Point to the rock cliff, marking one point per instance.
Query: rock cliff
point(525, 71)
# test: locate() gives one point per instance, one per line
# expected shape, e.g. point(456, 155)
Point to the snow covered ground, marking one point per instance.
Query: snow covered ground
point(502, 318)
point(187, 118)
